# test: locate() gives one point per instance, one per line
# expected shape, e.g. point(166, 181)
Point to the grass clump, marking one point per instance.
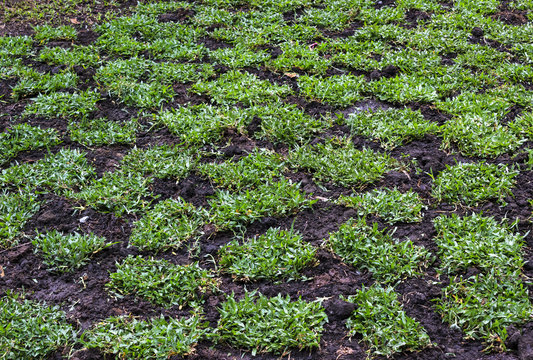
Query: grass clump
point(67, 252)
point(157, 338)
point(478, 241)
point(239, 56)
point(145, 83)
point(341, 90)
point(405, 88)
point(162, 162)
point(389, 204)
point(45, 33)
point(297, 56)
point(11, 46)
point(277, 254)
point(15, 210)
point(25, 137)
point(522, 126)
point(249, 172)
point(119, 192)
point(337, 160)
point(100, 131)
point(366, 247)
point(56, 104)
point(161, 282)
point(479, 136)
point(30, 330)
point(168, 225)
point(385, 327)
point(473, 183)
point(261, 324)
point(77, 55)
point(203, 124)
point(484, 305)
point(62, 173)
point(392, 128)
point(230, 210)
point(241, 87)
point(32, 82)
point(286, 124)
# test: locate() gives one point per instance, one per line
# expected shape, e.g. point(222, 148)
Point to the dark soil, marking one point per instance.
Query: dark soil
point(82, 294)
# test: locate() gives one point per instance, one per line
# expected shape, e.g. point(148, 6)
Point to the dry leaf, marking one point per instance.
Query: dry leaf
point(74, 21)
point(2, 274)
point(292, 75)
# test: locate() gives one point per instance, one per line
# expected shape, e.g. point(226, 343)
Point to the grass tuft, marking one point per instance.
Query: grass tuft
point(385, 327)
point(261, 324)
point(157, 338)
point(277, 254)
point(67, 252)
point(473, 183)
point(30, 330)
point(337, 160)
point(161, 282)
point(368, 248)
point(389, 204)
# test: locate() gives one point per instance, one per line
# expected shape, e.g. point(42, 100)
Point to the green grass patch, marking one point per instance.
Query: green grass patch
point(287, 124)
point(484, 305)
point(46, 33)
point(157, 338)
point(299, 57)
point(67, 252)
point(25, 137)
point(32, 82)
point(77, 55)
point(479, 136)
point(338, 161)
point(203, 124)
point(337, 90)
point(368, 248)
point(163, 161)
point(230, 210)
point(406, 88)
point(385, 327)
point(261, 324)
point(169, 224)
point(119, 192)
point(249, 172)
point(473, 183)
point(30, 329)
point(145, 83)
point(161, 282)
point(392, 128)
point(55, 105)
point(478, 241)
point(15, 46)
point(239, 56)
point(523, 125)
point(277, 254)
point(241, 87)
point(62, 173)
point(391, 205)
point(15, 210)
point(100, 131)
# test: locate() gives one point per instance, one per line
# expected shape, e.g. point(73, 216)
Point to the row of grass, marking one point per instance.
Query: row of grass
point(285, 324)
point(252, 188)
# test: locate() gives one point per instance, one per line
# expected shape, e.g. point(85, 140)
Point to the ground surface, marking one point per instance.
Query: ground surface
point(474, 40)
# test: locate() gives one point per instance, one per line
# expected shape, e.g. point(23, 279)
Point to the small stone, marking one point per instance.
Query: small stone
point(514, 337)
point(84, 219)
point(339, 309)
point(477, 32)
point(46, 217)
point(525, 346)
